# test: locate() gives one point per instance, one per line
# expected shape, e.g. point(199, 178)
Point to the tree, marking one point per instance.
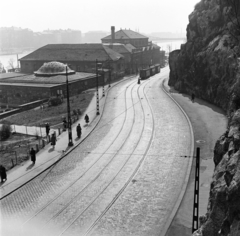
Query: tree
point(1, 66)
point(11, 63)
point(5, 131)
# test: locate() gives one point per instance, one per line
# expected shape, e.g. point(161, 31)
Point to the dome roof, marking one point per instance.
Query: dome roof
point(53, 68)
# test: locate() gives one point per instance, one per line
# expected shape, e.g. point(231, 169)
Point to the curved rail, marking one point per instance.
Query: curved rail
point(76, 180)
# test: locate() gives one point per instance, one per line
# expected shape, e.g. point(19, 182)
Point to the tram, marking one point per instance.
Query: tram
point(147, 72)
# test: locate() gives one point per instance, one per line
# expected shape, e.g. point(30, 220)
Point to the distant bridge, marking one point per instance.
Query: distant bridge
point(156, 39)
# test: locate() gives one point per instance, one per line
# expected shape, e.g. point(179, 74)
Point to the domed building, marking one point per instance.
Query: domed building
point(54, 68)
point(48, 81)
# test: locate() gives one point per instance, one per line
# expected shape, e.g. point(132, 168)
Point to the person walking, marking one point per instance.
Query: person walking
point(79, 130)
point(86, 119)
point(3, 173)
point(64, 124)
point(53, 140)
point(33, 155)
point(193, 97)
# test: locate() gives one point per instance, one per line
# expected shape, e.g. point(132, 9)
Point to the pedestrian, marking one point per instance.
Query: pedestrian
point(86, 119)
point(79, 130)
point(33, 155)
point(64, 124)
point(193, 97)
point(3, 173)
point(53, 140)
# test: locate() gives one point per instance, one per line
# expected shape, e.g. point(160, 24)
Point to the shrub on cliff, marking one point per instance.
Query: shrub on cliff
point(5, 131)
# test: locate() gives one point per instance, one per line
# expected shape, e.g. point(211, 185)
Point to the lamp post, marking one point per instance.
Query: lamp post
point(103, 82)
point(98, 113)
point(109, 76)
point(70, 142)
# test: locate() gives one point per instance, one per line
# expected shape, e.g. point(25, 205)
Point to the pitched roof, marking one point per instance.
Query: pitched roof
point(126, 34)
point(120, 48)
point(73, 52)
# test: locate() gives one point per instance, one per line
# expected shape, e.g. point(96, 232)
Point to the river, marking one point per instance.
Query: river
point(172, 45)
point(4, 59)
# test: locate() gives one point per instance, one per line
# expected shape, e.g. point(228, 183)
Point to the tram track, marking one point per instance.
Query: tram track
point(91, 166)
point(131, 177)
point(92, 181)
point(119, 192)
point(96, 178)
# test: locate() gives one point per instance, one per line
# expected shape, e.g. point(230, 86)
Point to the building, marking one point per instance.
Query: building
point(143, 52)
point(126, 37)
point(79, 57)
point(126, 51)
point(49, 81)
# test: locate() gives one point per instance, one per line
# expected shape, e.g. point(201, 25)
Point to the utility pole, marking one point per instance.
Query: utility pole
point(103, 82)
point(70, 143)
point(110, 74)
point(98, 113)
point(196, 193)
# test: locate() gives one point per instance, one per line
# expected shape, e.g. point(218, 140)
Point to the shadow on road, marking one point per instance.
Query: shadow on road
point(30, 166)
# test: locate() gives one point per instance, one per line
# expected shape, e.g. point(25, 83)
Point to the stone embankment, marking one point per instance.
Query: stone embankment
point(208, 66)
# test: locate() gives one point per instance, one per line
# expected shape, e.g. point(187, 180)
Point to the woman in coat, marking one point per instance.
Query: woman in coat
point(79, 130)
point(53, 140)
point(86, 119)
point(33, 155)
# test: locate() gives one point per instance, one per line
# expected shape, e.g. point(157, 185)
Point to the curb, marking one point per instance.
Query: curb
point(184, 186)
point(72, 148)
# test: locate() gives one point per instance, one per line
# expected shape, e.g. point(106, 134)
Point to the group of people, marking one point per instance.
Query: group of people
point(53, 139)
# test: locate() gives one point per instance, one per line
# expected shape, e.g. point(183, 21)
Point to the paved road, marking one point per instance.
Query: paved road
point(123, 180)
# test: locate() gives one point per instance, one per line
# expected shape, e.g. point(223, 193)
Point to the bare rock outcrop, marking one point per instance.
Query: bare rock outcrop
point(209, 66)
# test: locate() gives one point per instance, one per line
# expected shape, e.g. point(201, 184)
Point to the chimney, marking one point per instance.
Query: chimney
point(112, 35)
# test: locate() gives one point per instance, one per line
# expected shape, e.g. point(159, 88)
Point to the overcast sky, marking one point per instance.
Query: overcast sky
point(87, 15)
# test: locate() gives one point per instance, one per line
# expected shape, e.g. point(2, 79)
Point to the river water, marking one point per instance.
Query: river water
point(166, 46)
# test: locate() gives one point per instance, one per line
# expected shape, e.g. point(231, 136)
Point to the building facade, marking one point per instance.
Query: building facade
point(79, 57)
point(142, 53)
point(46, 83)
point(126, 37)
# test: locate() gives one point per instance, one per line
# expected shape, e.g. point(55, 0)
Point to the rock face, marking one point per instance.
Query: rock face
point(209, 66)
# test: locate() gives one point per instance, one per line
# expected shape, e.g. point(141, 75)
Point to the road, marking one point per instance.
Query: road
point(124, 179)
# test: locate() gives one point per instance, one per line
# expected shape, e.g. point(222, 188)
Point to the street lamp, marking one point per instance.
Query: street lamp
point(70, 142)
point(110, 74)
point(97, 64)
point(103, 81)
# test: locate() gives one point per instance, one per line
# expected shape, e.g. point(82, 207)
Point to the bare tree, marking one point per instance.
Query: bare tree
point(11, 63)
point(169, 48)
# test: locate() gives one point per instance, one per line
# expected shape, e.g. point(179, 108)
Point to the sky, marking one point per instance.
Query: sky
point(88, 15)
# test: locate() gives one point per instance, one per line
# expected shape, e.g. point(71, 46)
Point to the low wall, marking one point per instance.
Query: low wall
point(22, 108)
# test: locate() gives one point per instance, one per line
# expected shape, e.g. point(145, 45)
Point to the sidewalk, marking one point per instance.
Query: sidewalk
point(209, 123)
point(48, 156)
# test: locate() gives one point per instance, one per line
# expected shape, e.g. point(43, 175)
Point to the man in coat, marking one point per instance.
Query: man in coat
point(79, 130)
point(3, 173)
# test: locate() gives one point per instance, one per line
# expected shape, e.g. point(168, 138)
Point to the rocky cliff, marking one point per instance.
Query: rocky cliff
point(209, 66)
